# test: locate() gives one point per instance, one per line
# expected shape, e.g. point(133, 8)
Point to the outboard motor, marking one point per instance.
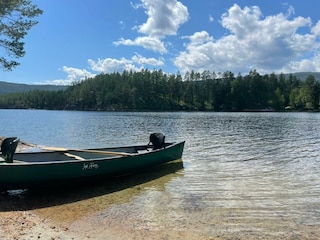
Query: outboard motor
point(8, 148)
point(157, 140)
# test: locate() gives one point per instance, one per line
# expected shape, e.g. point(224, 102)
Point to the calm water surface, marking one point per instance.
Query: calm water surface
point(255, 174)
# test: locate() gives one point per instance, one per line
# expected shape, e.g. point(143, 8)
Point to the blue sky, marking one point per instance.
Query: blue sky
point(78, 39)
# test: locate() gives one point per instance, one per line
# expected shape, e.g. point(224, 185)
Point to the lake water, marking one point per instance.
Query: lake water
point(242, 174)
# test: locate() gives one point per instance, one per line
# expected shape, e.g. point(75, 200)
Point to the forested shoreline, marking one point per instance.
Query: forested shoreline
point(155, 90)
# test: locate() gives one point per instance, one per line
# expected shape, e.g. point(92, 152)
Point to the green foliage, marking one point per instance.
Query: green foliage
point(158, 91)
point(16, 19)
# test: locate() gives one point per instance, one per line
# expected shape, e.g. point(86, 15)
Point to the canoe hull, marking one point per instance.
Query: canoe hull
point(45, 173)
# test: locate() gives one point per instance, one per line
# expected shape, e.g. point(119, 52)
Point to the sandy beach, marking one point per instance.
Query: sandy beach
point(27, 225)
point(118, 225)
point(67, 222)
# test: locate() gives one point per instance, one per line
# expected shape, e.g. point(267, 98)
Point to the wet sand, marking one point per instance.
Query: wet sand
point(124, 221)
point(118, 210)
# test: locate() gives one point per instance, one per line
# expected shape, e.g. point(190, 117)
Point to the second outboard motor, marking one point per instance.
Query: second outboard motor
point(8, 148)
point(157, 140)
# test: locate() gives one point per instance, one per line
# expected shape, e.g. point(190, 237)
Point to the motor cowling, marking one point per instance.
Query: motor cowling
point(157, 140)
point(8, 148)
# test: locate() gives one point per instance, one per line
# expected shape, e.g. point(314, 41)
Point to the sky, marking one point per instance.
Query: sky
point(76, 39)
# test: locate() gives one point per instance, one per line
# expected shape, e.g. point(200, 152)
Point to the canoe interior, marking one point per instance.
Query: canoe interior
point(59, 156)
point(74, 155)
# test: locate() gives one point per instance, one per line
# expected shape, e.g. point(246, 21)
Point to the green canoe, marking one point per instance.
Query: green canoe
point(58, 166)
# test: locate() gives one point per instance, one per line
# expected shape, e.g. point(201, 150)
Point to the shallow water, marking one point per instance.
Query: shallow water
point(248, 174)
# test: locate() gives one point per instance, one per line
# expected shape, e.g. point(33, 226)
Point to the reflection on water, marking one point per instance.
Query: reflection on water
point(244, 173)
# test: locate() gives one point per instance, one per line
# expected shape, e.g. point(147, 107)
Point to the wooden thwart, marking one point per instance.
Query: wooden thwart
point(74, 156)
point(87, 150)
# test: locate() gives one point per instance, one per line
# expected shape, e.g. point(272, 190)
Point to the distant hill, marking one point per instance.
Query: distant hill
point(303, 75)
point(6, 87)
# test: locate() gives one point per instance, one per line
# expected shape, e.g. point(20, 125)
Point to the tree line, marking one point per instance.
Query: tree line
point(155, 90)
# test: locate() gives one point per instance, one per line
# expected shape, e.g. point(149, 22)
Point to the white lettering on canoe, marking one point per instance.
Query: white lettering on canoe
point(90, 166)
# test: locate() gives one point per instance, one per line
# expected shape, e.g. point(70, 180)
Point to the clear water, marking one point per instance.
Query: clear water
point(242, 172)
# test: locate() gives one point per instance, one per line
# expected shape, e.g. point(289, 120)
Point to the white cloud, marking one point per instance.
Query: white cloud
point(164, 17)
point(150, 43)
point(211, 19)
point(135, 5)
point(136, 63)
point(267, 44)
point(304, 65)
point(316, 29)
point(290, 9)
point(241, 22)
point(76, 74)
point(199, 38)
point(142, 61)
point(73, 75)
point(108, 65)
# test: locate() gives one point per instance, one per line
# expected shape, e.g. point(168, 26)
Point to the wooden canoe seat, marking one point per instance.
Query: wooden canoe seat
point(74, 156)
